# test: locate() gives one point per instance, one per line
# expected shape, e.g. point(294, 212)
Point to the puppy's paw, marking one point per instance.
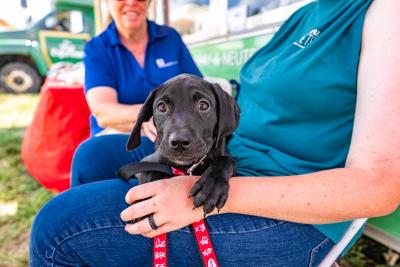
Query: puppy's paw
point(210, 192)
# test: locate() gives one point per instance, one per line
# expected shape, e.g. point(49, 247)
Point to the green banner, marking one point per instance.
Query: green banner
point(64, 49)
point(224, 59)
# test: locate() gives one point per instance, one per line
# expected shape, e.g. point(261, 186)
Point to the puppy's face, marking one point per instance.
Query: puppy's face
point(185, 115)
point(192, 116)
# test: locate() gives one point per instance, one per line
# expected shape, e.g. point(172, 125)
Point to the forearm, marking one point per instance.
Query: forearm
point(118, 116)
point(317, 198)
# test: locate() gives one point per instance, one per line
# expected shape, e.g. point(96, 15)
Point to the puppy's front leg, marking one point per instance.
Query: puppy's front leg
point(211, 190)
point(131, 170)
point(143, 177)
point(150, 176)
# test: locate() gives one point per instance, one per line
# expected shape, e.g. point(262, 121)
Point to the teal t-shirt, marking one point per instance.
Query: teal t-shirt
point(298, 96)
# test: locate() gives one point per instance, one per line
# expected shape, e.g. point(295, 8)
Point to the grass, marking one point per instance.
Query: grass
point(21, 196)
point(368, 253)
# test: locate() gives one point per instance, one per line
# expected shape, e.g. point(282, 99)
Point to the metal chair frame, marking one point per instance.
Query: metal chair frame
point(334, 254)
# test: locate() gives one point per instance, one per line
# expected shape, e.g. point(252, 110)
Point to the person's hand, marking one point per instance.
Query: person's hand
point(169, 201)
point(149, 130)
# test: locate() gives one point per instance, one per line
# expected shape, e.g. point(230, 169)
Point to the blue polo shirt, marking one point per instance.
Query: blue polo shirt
point(109, 63)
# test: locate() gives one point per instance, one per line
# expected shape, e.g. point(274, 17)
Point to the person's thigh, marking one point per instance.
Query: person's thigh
point(82, 227)
point(243, 240)
point(99, 158)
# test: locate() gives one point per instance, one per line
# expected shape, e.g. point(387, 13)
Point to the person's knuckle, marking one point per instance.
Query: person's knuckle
point(132, 210)
point(142, 228)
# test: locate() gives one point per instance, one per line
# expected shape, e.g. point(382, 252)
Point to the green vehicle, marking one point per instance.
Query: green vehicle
point(26, 55)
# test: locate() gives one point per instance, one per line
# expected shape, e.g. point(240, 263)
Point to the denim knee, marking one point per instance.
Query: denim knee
point(99, 158)
point(42, 244)
point(71, 213)
point(83, 160)
point(95, 159)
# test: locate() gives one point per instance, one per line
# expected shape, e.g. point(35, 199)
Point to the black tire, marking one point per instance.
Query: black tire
point(19, 78)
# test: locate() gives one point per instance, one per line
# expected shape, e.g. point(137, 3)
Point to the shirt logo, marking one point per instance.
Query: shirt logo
point(162, 64)
point(307, 39)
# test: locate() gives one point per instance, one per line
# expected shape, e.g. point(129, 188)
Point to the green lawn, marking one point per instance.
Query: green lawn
point(21, 196)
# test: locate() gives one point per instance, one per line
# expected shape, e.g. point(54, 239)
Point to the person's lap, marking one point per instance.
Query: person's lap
point(82, 227)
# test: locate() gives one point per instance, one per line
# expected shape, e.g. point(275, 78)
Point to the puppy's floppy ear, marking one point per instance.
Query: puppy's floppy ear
point(228, 113)
point(145, 113)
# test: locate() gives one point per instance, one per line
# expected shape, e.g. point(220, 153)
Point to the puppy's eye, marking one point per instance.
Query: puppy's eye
point(203, 105)
point(162, 107)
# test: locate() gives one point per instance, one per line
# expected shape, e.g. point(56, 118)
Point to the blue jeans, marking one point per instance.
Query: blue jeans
point(82, 227)
point(99, 158)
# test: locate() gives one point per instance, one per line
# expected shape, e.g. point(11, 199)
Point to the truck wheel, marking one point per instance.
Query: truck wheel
point(19, 78)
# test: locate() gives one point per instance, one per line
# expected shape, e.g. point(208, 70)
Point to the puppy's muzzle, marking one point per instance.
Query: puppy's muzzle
point(180, 141)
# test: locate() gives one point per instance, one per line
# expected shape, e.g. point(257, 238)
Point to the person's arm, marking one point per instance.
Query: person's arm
point(368, 186)
point(101, 93)
point(103, 104)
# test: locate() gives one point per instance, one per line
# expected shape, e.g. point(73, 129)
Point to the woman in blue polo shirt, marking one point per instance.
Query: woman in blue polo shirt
point(318, 144)
point(123, 64)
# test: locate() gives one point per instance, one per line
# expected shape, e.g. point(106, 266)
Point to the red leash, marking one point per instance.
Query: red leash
point(202, 237)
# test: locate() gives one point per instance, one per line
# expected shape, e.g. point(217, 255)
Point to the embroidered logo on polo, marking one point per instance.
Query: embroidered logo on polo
point(307, 39)
point(162, 64)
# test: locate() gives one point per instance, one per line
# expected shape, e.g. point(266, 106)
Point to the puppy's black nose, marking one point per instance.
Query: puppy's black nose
point(179, 142)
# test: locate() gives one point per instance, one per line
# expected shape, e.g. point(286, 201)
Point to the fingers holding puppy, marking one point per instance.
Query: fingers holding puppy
point(143, 191)
point(139, 210)
point(167, 200)
point(149, 130)
point(143, 227)
point(137, 218)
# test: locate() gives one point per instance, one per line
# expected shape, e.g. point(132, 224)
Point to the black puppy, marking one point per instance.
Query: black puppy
point(193, 119)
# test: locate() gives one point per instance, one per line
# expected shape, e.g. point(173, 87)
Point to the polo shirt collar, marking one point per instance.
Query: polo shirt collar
point(154, 31)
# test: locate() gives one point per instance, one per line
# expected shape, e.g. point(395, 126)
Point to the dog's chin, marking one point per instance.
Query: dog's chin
point(182, 162)
point(184, 158)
